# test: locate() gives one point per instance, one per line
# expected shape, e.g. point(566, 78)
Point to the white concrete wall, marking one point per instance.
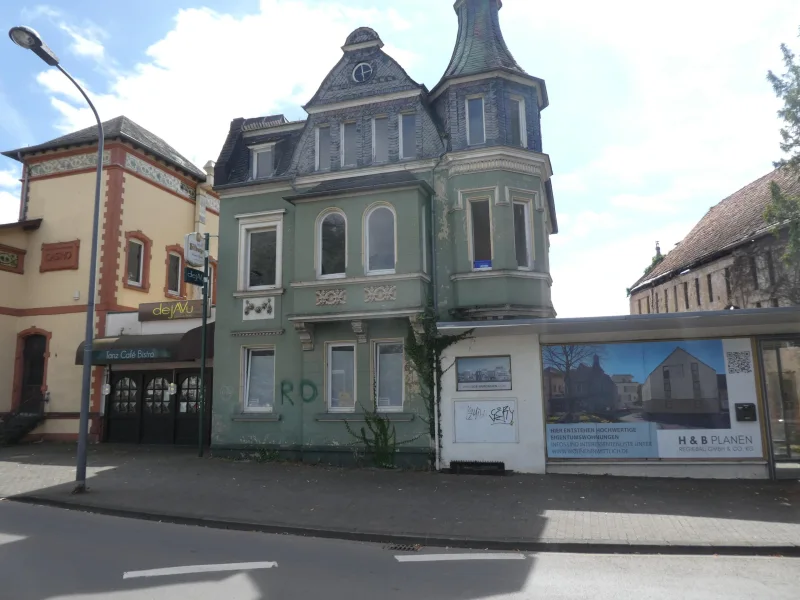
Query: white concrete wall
point(127, 323)
point(527, 455)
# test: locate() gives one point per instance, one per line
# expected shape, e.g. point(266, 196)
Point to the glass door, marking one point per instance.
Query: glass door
point(781, 360)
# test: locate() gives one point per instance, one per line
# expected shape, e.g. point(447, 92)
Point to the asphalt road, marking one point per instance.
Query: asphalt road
point(54, 554)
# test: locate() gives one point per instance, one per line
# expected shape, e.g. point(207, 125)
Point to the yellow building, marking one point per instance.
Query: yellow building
point(151, 197)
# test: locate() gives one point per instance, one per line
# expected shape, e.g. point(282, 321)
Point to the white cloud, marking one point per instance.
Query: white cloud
point(214, 67)
point(9, 179)
point(9, 206)
point(84, 42)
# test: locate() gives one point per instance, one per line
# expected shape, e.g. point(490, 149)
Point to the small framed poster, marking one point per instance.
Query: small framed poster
point(483, 373)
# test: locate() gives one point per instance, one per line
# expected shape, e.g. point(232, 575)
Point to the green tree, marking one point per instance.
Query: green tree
point(784, 207)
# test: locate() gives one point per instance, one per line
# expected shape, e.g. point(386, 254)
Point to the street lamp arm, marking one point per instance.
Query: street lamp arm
point(88, 101)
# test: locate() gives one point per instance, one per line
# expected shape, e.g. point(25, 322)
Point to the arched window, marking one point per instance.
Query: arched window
point(380, 242)
point(332, 245)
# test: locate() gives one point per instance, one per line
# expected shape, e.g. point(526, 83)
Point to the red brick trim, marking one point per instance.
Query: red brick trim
point(61, 256)
point(20, 268)
point(146, 258)
point(181, 295)
point(112, 228)
point(43, 310)
point(16, 390)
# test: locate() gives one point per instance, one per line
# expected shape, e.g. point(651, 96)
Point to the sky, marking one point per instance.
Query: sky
point(657, 110)
point(641, 358)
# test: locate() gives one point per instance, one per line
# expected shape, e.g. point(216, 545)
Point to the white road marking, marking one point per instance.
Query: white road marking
point(248, 566)
point(464, 556)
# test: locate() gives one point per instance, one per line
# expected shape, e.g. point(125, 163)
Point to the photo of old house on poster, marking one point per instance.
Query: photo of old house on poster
point(483, 373)
point(633, 400)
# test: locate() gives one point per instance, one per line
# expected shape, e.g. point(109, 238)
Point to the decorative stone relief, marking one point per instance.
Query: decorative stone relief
point(305, 331)
point(331, 297)
point(145, 169)
point(360, 329)
point(67, 163)
point(380, 293)
point(212, 203)
point(257, 333)
point(495, 164)
point(256, 309)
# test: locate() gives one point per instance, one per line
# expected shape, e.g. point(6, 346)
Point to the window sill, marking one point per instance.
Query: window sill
point(257, 417)
point(259, 293)
point(382, 272)
point(136, 287)
point(338, 417)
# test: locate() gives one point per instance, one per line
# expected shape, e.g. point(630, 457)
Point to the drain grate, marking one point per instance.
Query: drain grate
point(403, 547)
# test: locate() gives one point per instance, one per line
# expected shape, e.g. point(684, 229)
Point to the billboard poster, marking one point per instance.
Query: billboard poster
point(661, 399)
point(483, 373)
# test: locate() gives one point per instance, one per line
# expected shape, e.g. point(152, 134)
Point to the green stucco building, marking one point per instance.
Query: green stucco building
point(338, 230)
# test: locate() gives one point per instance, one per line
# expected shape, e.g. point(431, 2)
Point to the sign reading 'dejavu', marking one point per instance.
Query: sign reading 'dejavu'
point(170, 311)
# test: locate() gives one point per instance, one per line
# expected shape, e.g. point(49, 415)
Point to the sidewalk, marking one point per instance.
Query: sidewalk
point(522, 511)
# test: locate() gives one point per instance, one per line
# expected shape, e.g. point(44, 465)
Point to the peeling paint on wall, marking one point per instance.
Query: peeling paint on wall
point(444, 222)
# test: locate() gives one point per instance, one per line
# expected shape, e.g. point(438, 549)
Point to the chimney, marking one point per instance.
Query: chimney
point(209, 169)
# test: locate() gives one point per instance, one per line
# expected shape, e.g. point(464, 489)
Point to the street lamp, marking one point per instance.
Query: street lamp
point(27, 38)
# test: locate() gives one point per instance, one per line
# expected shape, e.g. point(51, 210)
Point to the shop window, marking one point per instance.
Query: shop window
point(332, 245)
point(189, 395)
point(380, 242)
point(480, 234)
point(408, 136)
point(323, 149)
point(341, 377)
point(380, 139)
point(259, 380)
point(156, 396)
point(390, 374)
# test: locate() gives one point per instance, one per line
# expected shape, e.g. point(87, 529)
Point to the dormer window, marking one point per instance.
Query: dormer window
point(517, 130)
point(408, 136)
point(348, 145)
point(263, 158)
point(476, 130)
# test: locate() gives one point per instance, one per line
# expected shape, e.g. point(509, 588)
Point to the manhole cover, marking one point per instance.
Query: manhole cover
point(404, 547)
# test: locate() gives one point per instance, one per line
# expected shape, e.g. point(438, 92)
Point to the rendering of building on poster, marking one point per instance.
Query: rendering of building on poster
point(483, 373)
point(663, 399)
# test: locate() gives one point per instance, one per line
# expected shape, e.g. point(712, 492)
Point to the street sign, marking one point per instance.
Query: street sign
point(193, 276)
point(194, 249)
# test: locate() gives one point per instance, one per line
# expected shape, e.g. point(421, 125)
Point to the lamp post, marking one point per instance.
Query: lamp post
point(27, 38)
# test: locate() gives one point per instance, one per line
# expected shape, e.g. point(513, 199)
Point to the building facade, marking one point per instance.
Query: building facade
point(340, 229)
point(151, 196)
point(730, 259)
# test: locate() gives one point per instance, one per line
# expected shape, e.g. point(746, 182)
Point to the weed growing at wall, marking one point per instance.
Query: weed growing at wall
point(424, 347)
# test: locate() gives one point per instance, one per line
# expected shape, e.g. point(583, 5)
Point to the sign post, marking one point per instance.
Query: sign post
point(196, 249)
point(203, 343)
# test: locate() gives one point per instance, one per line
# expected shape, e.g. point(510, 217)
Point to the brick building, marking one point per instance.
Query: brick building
point(730, 259)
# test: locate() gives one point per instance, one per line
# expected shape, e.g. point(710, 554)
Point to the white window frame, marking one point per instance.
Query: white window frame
point(483, 110)
point(376, 344)
point(245, 379)
point(316, 148)
point(523, 124)
point(180, 273)
point(329, 376)
point(470, 241)
point(400, 131)
point(318, 254)
point(424, 235)
point(255, 151)
point(367, 215)
point(254, 223)
point(140, 282)
point(528, 230)
point(341, 143)
point(374, 158)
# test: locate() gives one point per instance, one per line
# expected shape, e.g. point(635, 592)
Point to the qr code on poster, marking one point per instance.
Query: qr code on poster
point(739, 362)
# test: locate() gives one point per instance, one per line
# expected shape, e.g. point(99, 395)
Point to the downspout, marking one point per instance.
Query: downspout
point(23, 199)
point(434, 279)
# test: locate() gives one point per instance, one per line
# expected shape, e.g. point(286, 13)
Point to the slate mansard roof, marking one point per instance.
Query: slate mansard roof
point(118, 128)
point(736, 220)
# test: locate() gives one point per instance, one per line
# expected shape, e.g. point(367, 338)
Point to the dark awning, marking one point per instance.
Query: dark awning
point(154, 348)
